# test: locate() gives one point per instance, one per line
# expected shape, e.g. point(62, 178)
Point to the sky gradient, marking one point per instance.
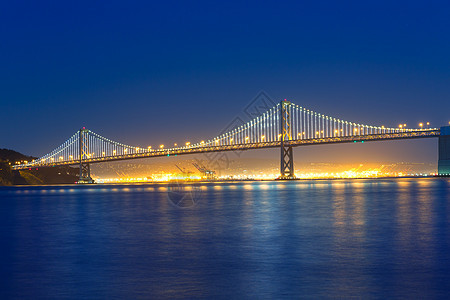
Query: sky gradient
point(149, 73)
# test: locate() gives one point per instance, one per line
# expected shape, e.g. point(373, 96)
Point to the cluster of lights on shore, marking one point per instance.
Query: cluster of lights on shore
point(348, 174)
point(305, 124)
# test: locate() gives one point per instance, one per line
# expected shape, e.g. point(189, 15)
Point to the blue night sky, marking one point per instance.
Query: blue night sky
point(146, 73)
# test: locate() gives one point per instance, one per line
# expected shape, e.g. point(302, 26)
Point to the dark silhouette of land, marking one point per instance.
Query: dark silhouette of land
point(32, 176)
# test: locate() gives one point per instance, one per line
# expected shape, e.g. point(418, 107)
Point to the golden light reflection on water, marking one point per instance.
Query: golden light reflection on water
point(248, 187)
point(264, 186)
point(404, 213)
point(403, 184)
point(425, 215)
point(403, 205)
point(425, 183)
point(349, 232)
point(339, 206)
point(301, 186)
point(415, 219)
point(349, 209)
point(359, 209)
point(281, 186)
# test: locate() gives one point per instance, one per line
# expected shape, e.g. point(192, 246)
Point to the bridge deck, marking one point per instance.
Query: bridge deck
point(425, 133)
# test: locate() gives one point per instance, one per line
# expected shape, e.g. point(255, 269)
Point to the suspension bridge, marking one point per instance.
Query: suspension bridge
point(284, 126)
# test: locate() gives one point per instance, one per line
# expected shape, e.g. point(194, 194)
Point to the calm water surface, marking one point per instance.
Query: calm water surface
point(309, 239)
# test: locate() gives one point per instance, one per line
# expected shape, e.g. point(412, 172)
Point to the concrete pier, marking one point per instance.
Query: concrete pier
point(444, 152)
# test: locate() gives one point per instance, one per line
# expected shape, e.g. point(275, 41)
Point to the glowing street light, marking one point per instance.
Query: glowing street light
point(161, 146)
point(420, 125)
point(188, 143)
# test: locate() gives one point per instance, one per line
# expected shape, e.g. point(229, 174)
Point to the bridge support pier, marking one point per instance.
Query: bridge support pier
point(85, 173)
point(444, 152)
point(287, 158)
point(85, 170)
point(287, 163)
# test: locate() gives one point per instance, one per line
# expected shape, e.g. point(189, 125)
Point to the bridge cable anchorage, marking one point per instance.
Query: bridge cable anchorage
point(286, 125)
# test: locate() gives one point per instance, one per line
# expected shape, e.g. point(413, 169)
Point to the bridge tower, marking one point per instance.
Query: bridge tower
point(444, 152)
point(85, 170)
point(287, 159)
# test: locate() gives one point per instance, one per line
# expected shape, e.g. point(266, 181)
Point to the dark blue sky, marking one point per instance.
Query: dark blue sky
point(146, 73)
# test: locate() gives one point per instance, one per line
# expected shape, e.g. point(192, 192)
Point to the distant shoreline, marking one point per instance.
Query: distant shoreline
point(222, 181)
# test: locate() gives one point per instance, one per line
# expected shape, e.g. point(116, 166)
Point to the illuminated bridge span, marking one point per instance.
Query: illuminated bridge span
point(286, 125)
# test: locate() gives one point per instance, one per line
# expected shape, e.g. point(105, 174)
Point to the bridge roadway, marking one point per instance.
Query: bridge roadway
point(414, 134)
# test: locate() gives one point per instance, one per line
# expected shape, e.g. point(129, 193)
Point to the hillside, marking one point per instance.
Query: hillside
point(35, 176)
